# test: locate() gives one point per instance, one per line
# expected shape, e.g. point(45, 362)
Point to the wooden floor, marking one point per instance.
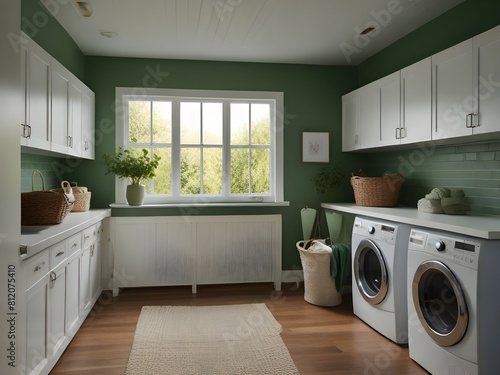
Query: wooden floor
point(320, 340)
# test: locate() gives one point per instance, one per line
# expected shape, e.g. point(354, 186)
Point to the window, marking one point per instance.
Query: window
point(215, 146)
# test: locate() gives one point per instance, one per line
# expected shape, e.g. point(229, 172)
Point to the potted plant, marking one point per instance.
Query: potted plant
point(136, 165)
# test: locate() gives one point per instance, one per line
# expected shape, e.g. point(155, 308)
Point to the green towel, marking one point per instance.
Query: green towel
point(340, 263)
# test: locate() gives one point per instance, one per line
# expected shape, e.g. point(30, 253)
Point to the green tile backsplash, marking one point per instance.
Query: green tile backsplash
point(44, 164)
point(474, 168)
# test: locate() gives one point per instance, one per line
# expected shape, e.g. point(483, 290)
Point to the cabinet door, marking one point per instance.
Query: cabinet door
point(88, 131)
point(85, 279)
point(390, 109)
point(72, 307)
point(350, 111)
point(416, 102)
point(95, 271)
point(369, 116)
point(38, 96)
point(56, 309)
point(36, 329)
point(59, 117)
point(76, 118)
point(24, 87)
point(487, 80)
point(452, 91)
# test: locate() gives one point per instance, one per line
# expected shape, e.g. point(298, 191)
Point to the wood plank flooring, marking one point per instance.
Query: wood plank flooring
point(320, 340)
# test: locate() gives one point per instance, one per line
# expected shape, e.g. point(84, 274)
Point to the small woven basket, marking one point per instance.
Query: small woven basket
point(377, 191)
point(46, 207)
point(82, 198)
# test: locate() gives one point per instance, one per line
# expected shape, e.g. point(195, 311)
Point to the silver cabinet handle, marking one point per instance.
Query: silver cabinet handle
point(53, 278)
point(39, 267)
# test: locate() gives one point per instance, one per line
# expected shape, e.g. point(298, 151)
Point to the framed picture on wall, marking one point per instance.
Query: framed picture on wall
point(316, 147)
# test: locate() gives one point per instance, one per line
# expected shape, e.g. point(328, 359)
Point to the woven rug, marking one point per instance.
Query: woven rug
point(209, 340)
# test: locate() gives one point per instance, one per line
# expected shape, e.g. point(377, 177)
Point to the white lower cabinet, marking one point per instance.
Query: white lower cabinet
point(36, 313)
point(56, 309)
point(62, 284)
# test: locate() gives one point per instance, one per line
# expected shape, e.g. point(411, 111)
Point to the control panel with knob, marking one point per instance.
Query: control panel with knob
point(371, 229)
point(440, 246)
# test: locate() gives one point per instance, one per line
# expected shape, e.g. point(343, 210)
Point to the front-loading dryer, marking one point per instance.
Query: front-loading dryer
point(453, 302)
point(379, 266)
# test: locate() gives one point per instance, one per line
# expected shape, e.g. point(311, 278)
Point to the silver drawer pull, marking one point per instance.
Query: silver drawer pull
point(39, 267)
point(59, 253)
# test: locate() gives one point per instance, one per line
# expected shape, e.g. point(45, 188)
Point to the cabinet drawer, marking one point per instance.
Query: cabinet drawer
point(57, 254)
point(89, 236)
point(36, 268)
point(74, 243)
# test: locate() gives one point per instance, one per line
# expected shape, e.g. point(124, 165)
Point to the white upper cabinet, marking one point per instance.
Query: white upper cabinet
point(35, 73)
point(466, 78)
point(350, 121)
point(416, 102)
point(58, 112)
point(369, 116)
point(60, 105)
point(390, 109)
point(452, 91)
point(88, 127)
point(486, 75)
point(452, 96)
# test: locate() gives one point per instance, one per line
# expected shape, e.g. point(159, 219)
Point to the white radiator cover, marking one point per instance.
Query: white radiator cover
point(196, 250)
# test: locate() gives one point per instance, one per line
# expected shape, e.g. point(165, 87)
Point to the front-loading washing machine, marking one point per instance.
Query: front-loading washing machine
point(379, 266)
point(454, 302)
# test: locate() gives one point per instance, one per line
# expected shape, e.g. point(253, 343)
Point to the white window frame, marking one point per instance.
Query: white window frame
point(123, 94)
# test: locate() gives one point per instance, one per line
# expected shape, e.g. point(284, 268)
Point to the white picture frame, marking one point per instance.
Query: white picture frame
point(315, 147)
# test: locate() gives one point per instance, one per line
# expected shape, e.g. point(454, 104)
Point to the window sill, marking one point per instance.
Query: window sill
point(175, 205)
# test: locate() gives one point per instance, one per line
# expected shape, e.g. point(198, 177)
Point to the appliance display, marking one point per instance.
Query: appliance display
point(379, 266)
point(453, 302)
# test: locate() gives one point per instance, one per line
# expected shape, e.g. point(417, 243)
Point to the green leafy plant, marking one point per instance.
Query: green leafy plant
point(328, 178)
point(134, 164)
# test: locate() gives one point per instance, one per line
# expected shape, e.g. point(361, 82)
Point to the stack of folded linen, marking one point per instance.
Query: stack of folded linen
point(441, 200)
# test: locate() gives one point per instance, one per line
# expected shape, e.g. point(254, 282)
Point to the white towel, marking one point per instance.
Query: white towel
point(438, 193)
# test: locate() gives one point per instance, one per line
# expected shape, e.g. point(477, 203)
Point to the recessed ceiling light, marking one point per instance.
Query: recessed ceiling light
point(108, 34)
point(367, 30)
point(83, 8)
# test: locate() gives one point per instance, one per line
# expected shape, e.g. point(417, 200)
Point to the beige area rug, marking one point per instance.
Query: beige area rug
point(209, 340)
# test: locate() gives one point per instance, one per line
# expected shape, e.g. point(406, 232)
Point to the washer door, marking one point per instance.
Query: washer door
point(439, 302)
point(370, 272)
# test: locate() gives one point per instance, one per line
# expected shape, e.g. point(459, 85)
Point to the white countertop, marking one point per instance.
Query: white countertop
point(37, 238)
point(487, 227)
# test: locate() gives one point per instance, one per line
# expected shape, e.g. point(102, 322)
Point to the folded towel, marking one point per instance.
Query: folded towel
point(432, 206)
point(340, 263)
point(438, 193)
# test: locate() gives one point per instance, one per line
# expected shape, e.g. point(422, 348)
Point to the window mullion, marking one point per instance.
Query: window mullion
point(176, 153)
point(226, 148)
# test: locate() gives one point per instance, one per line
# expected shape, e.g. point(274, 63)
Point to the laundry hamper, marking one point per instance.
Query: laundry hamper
point(319, 285)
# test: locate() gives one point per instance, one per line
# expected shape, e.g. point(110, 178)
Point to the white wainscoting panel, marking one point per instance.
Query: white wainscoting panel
point(196, 250)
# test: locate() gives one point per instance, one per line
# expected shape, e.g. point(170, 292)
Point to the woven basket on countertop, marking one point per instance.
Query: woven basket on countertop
point(45, 207)
point(82, 198)
point(377, 191)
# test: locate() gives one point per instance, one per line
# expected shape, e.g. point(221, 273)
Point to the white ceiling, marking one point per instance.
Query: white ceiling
point(279, 31)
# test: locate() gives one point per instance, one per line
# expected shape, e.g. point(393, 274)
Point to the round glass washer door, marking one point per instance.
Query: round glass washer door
point(370, 272)
point(439, 302)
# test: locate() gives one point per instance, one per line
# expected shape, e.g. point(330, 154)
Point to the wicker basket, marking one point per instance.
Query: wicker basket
point(377, 191)
point(319, 285)
point(82, 198)
point(46, 207)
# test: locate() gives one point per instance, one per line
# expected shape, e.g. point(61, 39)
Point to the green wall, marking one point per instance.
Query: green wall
point(44, 29)
point(474, 168)
point(312, 96)
point(470, 18)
